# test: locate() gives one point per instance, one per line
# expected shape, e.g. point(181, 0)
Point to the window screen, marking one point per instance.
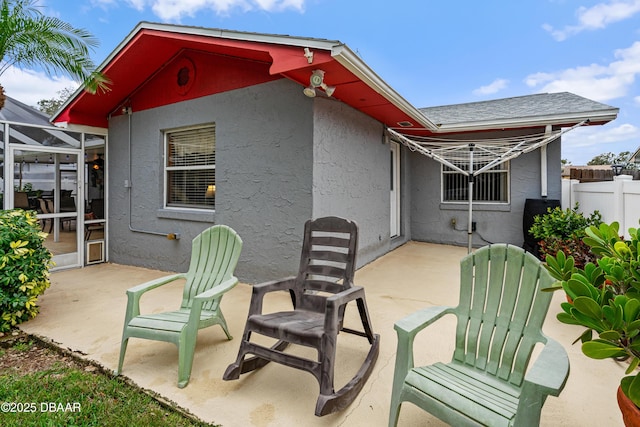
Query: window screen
point(191, 168)
point(489, 186)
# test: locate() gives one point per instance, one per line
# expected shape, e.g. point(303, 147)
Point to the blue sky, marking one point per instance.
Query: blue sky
point(432, 53)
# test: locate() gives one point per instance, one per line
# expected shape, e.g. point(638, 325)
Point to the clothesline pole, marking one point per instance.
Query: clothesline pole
point(470, 197)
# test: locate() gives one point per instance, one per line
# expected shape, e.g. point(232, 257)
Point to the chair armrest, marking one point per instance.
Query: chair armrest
point(345, 296)
point(334, 302)
point(550, 371)
point(152, 284)
point(217, 290)
point(410, 325)
point(211, 294)
point(135, 293)
point(407, 328)
point(261, 289)
point(547, 376)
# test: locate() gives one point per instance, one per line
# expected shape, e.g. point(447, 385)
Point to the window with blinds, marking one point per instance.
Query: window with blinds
point(489, 186)
point(190, 168)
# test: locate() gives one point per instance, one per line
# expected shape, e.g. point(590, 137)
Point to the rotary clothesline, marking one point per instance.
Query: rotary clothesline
point(482, 153)
point(488, 153)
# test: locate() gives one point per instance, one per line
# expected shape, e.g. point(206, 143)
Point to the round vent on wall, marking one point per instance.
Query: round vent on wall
point(185, 75)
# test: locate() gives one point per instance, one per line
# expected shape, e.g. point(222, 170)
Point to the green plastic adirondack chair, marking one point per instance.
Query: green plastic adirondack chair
point(214, 256)
point(499, 321)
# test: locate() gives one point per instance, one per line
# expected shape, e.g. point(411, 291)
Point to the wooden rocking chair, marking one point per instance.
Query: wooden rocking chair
point(320, 293)
point(500, 318)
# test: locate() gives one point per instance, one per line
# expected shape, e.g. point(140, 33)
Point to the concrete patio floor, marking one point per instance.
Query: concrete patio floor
point(84, 311)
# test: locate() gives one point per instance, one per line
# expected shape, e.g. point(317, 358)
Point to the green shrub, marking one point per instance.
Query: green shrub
point(563, 230)
point(24, 267)
point(605, 298)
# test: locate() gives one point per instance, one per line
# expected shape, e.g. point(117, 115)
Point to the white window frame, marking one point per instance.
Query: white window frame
point(503, 169)
point(167, 169)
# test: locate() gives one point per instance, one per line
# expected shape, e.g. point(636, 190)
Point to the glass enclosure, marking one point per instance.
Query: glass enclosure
point(47, 183)
point(60, 174)
point(2, 168)
point(94, 192)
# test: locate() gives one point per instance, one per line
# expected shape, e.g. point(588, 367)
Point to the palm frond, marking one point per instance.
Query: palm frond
point(28, 39)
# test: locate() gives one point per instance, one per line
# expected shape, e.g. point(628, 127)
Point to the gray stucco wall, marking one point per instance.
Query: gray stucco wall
point(431, 220)
point(281, 159)
point(351, 175)
point(264, 155)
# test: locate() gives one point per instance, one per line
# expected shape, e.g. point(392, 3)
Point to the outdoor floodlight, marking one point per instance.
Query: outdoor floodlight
point(309, 91)
point(317, 81)
point(328, 89)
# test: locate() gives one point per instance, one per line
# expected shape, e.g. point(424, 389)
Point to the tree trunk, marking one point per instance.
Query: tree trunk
point(3, 97)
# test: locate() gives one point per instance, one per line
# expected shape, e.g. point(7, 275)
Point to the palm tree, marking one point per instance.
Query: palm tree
point(29, 39)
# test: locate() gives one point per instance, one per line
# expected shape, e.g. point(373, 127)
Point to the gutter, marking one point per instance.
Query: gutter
point(594, 117)
point(348, 59)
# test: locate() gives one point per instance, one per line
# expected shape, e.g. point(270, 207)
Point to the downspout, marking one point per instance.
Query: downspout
point(128, 184)
point(544, 184)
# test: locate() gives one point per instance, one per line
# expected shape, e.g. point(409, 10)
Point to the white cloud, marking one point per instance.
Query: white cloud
point(493, 87)
point(597, 82)
point(589, 136)
point(583, 144)
point(103, 3)
point(30, 87)
point(597, 17)
point(174, 10)
point(136, 4)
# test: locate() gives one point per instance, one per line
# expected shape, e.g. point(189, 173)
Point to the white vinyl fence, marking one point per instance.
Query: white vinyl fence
point(617, 200)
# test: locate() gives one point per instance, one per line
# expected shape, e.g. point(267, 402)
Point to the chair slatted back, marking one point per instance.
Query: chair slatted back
point(501, 310)
point(327, 262)
point(214, 255)
point(45, 207)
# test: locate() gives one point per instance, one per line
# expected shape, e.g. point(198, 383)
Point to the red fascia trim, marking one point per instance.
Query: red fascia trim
point(284, 59)
point(63, 117)
point(288, 58)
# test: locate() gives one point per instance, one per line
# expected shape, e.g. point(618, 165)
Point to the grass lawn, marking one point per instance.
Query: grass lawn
point(43, 386)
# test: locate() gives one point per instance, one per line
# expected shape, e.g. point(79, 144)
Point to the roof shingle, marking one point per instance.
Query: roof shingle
point(520, 107)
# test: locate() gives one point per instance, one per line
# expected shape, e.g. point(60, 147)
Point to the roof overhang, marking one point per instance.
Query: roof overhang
point(150, 47)
point(558, 110)
point(556, 120)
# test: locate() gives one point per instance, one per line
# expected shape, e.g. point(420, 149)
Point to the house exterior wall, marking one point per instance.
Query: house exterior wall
point(431, 219)
point(264, 155)
point(282, 158)
point(351, 174)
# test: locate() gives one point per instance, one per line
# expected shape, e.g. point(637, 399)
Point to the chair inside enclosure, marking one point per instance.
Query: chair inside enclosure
point(96, 211)
point(46, 208)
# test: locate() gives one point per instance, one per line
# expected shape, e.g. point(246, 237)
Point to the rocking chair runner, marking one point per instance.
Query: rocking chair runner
point(214, 256)
point(500, 318)
point(320, 293)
